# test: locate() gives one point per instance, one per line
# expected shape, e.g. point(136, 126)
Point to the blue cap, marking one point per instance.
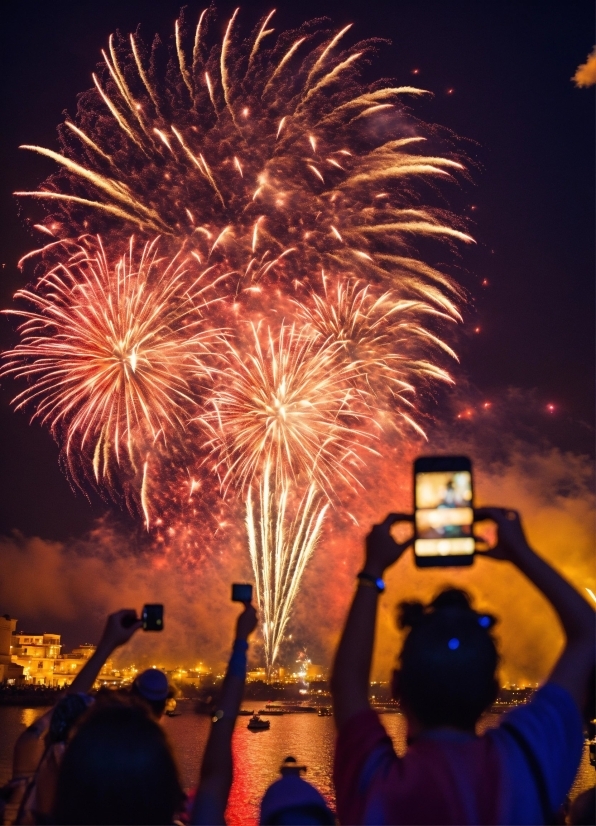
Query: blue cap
point(152, 685)
point(289, 793)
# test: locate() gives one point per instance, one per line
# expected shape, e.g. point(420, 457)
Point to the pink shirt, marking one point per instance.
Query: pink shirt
point(455, 778)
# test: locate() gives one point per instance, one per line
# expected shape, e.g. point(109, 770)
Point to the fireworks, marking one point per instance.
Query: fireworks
point(272, 162)
point(111, 352)
point(287, 406)
point(284, 412)
point(291, 322)
point(382, 338)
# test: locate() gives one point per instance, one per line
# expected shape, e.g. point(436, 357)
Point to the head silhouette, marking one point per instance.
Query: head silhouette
point(118, 769)
point(447, 665)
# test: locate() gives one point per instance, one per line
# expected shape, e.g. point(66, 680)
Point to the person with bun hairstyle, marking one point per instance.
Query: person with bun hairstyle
point(517, 773)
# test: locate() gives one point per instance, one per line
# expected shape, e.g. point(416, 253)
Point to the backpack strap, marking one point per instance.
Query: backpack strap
point(535, 770)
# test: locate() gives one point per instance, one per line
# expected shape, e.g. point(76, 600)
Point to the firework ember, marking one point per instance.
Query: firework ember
point(292, 321)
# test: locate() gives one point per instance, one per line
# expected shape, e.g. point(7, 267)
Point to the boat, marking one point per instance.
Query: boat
point(298, 708)
point(256, 724)
point(246, 713)
point(325, 711)
point(271, 710)
point(170, 710)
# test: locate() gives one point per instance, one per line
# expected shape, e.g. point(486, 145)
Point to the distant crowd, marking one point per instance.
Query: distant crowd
point(104, 757)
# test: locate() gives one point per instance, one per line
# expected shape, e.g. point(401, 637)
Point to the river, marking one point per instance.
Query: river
point(257, 755)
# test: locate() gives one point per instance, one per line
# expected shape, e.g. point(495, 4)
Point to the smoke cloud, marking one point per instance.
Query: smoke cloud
point(69, 588)
point(586, 73)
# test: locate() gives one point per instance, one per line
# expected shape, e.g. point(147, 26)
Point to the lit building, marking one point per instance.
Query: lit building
point(191, 677)
point(10, 673)
point(38, 661)
point(85, 650)
point(256, 675)
point(314, 673)
point(36, 653)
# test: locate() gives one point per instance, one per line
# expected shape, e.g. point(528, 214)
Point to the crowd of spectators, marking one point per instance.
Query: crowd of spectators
point(104, 757)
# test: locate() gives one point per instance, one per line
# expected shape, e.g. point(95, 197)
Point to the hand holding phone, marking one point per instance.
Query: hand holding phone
point(246, 622)
point(382, 550)
point(119, 628)
point(508, 540)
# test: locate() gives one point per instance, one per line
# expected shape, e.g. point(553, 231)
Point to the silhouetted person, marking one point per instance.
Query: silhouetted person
point(118, 769)
point(217, 768)
point(39, 749)
point(517, 773)
point(292, 800)
point(582, 811)
point(152, 688)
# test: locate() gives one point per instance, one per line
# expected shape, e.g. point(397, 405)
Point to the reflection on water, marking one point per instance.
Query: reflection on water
point(13, 720)
point(307, 737)
point(257, 755)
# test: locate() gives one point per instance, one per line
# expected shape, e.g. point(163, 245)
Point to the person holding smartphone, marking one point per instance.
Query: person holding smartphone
point(217, 768)
point(516, 773)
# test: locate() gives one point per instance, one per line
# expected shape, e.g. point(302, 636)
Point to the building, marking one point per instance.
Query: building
point(256, 675)
point(10, 673)
point(315, 673)
point(36, 653)
point(36, 659)
point(189, 678)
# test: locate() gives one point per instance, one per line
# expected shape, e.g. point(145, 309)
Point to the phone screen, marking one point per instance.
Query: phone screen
point(444, 514)
point(152, 617)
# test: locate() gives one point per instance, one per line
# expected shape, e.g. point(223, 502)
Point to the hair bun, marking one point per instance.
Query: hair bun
point(452, 598)
point(410, 614)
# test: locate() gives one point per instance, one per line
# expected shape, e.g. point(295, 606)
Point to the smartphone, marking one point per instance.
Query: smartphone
point(152, 617)
point(443, 511)
point(241, 592)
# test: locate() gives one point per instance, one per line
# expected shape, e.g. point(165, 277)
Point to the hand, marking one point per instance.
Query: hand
point(511, 540)
point(382, 550)
point(247, 622)
point(119, 628)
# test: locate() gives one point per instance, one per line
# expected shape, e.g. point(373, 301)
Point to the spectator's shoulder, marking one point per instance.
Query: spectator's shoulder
point(551, 727)
point(362, 731)
point(363, 747)
point(551, 705)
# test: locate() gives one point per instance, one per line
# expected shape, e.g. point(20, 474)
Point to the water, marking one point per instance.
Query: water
point(257, 755)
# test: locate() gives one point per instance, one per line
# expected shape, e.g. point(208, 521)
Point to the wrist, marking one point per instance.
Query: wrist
point(240, 643)
point(370, 581)
point(373, 568)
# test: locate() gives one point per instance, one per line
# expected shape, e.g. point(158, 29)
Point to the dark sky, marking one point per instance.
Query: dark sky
point(509, 65)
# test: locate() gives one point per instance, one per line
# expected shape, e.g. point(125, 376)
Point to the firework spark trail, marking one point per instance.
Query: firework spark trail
point(280, 547)
point(273, 169)
point(286, 409)
point(112, 353)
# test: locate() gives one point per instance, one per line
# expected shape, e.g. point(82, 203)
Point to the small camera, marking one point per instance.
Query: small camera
point(152, 617)
point(241, 592)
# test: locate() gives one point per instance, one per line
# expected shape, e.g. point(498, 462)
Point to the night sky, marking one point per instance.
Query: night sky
point(531, 140)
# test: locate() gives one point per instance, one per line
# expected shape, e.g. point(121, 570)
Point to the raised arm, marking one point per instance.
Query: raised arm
point(119, 629)
point(30, 746)
point(574, 667)
point(350, 677)
point(216, 777)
